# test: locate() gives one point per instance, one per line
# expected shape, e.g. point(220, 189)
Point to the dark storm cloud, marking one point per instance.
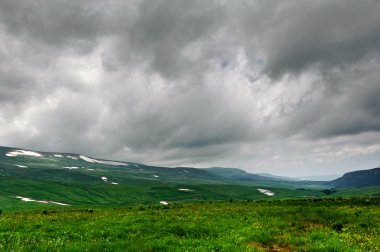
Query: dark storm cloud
point(13, 87)
point(192, 82)
point(54, 23)
point(324, 34)
point(164, 28)
point(356, 110)
point(201, 117)
point(348, 104)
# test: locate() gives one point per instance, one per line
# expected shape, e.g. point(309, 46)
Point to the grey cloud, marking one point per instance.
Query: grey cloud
point(193, 117)
point(348, 105)
point(67, 24)
point(164, 28)
point(68, 125)
point(326, 34)
point(166, 81)
point(14, 88)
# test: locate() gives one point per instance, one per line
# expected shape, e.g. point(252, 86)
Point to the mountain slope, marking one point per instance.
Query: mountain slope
point(32, 178)
point(226, 172)
point(241, 175)
point(360, 178)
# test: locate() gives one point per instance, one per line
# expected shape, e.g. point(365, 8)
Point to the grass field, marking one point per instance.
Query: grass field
point(323, 224)
point(117, 208)
point(101, 194)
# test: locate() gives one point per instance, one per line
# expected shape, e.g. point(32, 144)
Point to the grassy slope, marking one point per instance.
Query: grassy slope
point(266, 223)
point(45, 178)
point(328, 225)
point(97, 194)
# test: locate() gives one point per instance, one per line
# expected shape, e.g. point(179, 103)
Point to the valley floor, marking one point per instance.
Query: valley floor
point(326, 224)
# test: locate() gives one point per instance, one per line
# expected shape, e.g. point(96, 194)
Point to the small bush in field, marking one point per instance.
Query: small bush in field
point(337, 226)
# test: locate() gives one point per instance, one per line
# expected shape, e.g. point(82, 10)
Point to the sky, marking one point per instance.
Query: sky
point(285, 87)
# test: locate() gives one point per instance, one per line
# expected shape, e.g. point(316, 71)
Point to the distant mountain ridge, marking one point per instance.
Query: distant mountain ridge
point(362, 178)
point(239, 174)
point(31, 178)
point(61, 167)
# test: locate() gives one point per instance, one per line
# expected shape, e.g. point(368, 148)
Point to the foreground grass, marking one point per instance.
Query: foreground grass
point(293, 225)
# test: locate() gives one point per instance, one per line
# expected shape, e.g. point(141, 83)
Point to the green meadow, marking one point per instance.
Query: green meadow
point(319, 224)
point(67, 203)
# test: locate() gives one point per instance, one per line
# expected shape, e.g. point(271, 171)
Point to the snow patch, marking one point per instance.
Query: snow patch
point(57, 155)
point(87, 159)
point(71, 167)
point(185, 190)
point(71, 157)
point(90, 169)
point(164, 203)
point(266, 192)
point(112, 162)
point(105, 179)
point(22, 153)
point(41, 201)
point(25, 199)
point(58, 203)
point(91, 160)
point(21, 166)
point(156, 176)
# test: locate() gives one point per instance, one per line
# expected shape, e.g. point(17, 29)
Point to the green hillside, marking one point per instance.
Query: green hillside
point(70, 202)
point(31, 179)
point(361, 178)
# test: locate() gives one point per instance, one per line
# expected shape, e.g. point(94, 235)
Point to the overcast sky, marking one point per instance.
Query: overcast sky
point(288, 87)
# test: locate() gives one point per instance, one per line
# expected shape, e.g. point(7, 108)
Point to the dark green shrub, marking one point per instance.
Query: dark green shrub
point(141, 208)
point(337, 226)
point(363, 225)
point(329, 191)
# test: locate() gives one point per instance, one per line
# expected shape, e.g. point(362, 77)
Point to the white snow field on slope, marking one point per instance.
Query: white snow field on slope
point(41, 201)
point(266, 192)
point(16, 153)
point(91, 160)
point(71, 167)
point(22, 153)
point(105, 179)
point(185, 190)
point(21, 166)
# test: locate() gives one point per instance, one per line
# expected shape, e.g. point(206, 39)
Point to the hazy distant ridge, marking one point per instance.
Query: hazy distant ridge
point(361, 178)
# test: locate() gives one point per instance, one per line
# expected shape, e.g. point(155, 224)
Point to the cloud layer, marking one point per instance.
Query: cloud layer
point(286, 87)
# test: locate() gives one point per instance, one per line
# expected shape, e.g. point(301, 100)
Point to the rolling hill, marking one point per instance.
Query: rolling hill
point(31, 178)
point(361, 178)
